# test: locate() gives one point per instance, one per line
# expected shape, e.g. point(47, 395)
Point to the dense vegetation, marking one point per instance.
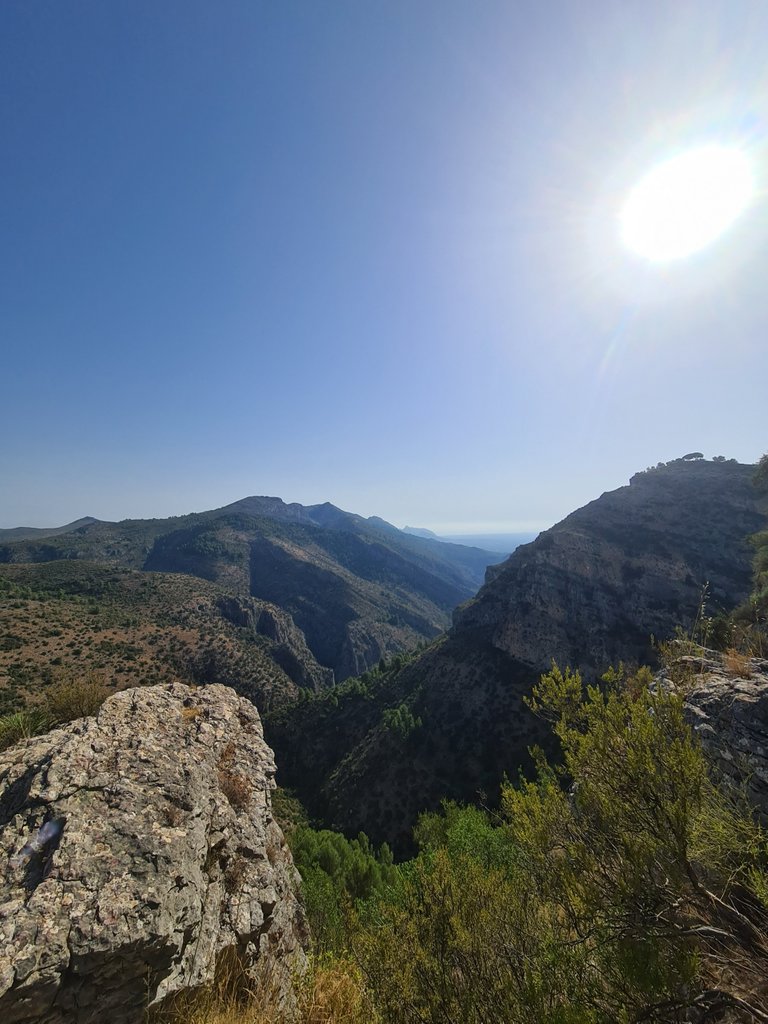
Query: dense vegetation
point(621, 885)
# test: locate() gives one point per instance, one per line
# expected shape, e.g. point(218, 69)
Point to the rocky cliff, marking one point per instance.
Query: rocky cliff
point(139, 847)
point(629, 565)
point(589, 592)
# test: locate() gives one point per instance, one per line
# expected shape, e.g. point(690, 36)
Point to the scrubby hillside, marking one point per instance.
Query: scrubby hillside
point(61, 619)
point(359, 589)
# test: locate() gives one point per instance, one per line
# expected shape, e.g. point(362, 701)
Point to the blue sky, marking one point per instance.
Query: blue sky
point(366, 253)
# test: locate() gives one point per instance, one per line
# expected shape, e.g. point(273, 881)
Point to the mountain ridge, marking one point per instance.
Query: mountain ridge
point(358, 589)
point(588, 592)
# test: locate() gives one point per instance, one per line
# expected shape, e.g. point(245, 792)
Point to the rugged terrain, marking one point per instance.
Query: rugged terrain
point(590, 592)
point(359, 589)
point(67, 618)
point(140, 848)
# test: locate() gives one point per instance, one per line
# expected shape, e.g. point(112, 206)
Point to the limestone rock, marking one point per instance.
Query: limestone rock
point(289, 648)
point(729, 713)
point(158, 853)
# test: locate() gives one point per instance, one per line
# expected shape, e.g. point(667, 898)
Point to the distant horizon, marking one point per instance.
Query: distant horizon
point(370, 253)
point(442, 527)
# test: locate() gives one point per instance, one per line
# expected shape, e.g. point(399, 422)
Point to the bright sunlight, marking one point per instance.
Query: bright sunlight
point(686, 202)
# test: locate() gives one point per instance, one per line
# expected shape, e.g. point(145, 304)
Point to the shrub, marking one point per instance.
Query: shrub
point(736, 664)
point(236, 788)
point(76, 697)
point(617, 887)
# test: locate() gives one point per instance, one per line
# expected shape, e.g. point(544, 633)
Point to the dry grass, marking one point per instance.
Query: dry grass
point(331, 992)
point(736, 664)
point(334, 992)
point(235, 787)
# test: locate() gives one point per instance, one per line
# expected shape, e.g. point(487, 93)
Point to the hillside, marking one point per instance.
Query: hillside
point(359, 589)
point(589, 592)
point(132, 628)
point(40, 533)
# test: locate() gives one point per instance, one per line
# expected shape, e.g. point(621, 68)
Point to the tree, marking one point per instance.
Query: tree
point(619, 886)
point(760, 478)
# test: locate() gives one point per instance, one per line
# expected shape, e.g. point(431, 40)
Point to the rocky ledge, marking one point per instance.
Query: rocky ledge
point(726, 703)
point(139, 846)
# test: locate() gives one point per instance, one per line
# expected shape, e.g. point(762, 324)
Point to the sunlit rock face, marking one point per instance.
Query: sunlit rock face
point(158, 853)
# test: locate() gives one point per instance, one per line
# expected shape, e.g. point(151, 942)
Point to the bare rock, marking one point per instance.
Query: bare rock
point(289, 648)
point(729, 713)
point(138, 847)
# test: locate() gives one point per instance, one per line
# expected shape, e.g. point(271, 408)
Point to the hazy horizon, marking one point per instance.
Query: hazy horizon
point(367, 254)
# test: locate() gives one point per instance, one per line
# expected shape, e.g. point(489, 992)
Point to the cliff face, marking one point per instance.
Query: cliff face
point(589, 592)
point(141, 846)
point(629, 565)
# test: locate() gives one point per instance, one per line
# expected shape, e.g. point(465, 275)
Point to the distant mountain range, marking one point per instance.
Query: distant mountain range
point(505, 543)
point(589, 592)
point(357, 589)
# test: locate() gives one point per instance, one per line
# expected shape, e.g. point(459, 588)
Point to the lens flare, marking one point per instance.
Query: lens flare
point(685, 203)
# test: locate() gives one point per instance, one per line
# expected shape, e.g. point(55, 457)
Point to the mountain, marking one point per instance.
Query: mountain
point(39, 533)
point(589, 592)
point(358, 589)
point(418, 531)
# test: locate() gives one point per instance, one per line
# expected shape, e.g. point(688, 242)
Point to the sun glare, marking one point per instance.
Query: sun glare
point(684, 203)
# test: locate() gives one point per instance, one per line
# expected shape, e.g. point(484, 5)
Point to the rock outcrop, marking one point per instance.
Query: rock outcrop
point(727, 705)
point(139, 847)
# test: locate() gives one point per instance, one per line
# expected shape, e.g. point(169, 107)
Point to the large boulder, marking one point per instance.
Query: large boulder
point(139, 847)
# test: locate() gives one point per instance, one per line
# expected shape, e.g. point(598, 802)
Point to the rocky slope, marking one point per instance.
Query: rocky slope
point(131, 627)
point(359, 589)
point(139, 848)
point(589, 592)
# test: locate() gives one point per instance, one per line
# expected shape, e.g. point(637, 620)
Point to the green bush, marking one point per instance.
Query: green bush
point(613, 888)
point(337, 873)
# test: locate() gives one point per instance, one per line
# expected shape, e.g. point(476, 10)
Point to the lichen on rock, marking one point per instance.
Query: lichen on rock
point(139, 846)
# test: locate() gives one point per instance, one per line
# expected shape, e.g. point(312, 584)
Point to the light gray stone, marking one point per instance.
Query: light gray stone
point(169, 856)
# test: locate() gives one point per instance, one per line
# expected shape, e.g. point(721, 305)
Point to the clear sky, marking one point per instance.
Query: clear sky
point(366, 252)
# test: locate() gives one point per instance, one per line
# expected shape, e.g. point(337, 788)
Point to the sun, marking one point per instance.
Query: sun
point(686, 202)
